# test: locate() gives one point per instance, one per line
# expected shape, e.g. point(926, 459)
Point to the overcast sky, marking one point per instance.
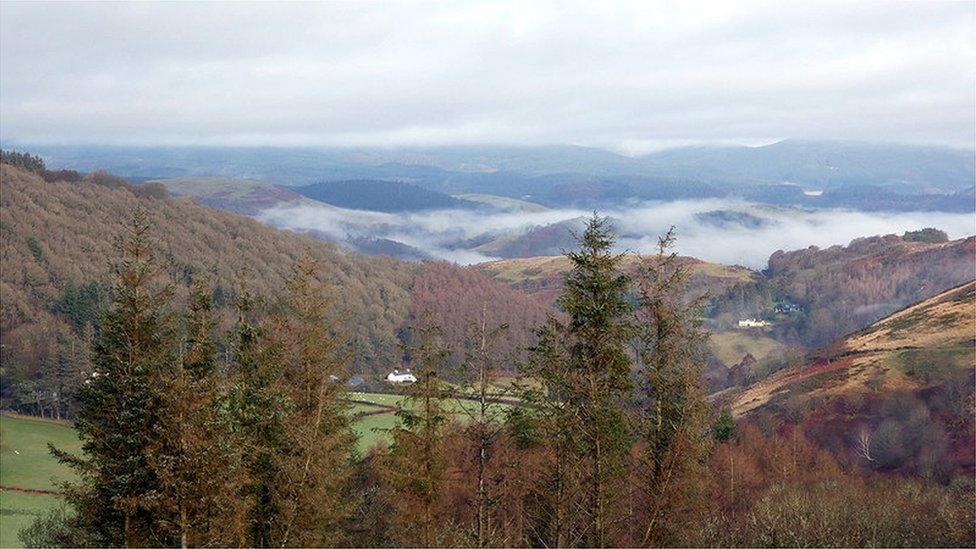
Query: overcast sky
point(626, 77)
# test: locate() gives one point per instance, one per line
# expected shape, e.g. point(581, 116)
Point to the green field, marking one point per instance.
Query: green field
point(25, 463)
point(18, 510)
point(730, 347)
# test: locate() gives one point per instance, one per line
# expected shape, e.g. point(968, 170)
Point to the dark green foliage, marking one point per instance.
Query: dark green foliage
point(256, 409)
point(381, 196)
point(54, 529)
point(35, 248)
point(724, 427)
point(24, 161)
point(82, 304)
point(928, 234)
point(118, 408)
point(584, 369)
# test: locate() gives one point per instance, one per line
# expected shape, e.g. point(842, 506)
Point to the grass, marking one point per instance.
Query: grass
point(374, 429)
point(24, 458)
point(26, 463)
point(18, 510)
point(504, 202)
point(930, 366)
point(730, 347)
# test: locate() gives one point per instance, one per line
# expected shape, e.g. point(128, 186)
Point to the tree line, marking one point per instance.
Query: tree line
point(612, 444)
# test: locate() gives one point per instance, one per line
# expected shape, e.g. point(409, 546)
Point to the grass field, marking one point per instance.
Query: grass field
point(18, 510)
point(730, 347)
point(25, 463)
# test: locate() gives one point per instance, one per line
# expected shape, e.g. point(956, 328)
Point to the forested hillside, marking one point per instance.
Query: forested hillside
point(57, 239)
point(844, 288)
point(894, 396)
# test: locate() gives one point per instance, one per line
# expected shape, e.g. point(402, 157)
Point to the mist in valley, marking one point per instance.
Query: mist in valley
point(717, 230)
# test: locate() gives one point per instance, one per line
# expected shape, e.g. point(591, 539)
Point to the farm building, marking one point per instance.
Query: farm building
point(398, 376)
point(752, 323)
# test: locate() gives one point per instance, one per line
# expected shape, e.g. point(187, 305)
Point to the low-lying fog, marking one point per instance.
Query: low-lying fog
point(730, 232)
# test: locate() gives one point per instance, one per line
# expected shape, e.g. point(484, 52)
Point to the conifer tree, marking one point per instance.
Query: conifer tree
point(118, 407)
point(191, 455)
point(673, 422)
point(256, 407)
point(415, 469)
point(595, 298)
point(584, 369)
point(555, 505)
point(312, 486)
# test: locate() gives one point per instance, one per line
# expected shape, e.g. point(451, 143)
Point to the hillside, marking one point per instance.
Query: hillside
point(841, 289)
point(244, 196)
point(542, 277)
point(380, 196)
point(910, 373)
point(57, 248)
point(503, 202)
point(546, 240)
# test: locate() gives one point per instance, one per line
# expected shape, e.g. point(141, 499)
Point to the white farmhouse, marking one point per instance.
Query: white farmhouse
point(752, 323)
point(396, 376)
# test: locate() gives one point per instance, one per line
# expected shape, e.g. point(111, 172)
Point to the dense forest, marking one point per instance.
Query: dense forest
point(612, 443)
point(55, 283)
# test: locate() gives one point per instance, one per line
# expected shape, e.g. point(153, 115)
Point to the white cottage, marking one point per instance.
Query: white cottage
point(397, 376)
point(752, 323)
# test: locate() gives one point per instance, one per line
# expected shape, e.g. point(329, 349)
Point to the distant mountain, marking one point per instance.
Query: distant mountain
point(380, 196)
point(519, 171)
point(825, 164)
point(730, 219)
point(553, 239)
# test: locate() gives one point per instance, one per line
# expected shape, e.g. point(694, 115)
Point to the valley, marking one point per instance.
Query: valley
point(860, 346)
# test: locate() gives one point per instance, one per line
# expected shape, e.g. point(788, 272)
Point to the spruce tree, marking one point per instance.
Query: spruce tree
point(584, 370)
point(595, 298)
point(255, 406)
point(414, 470)
point(191, 454)
point(673, 424)
point(548, 423)
point(312, 486)
point(118, 410)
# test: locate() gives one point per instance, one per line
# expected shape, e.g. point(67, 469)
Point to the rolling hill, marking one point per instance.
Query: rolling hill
point(380, 196)
point(542, 277)
point(895, 395)
point(244, 196)
point(57, 248)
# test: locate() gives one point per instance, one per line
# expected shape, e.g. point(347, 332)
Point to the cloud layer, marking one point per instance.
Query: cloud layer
point(631, 77)
point(438, 232)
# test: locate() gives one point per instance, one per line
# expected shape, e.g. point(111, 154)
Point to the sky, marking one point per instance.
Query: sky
point(629, 77)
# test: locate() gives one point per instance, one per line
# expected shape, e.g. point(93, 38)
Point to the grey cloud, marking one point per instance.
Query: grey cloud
point(624, 76)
